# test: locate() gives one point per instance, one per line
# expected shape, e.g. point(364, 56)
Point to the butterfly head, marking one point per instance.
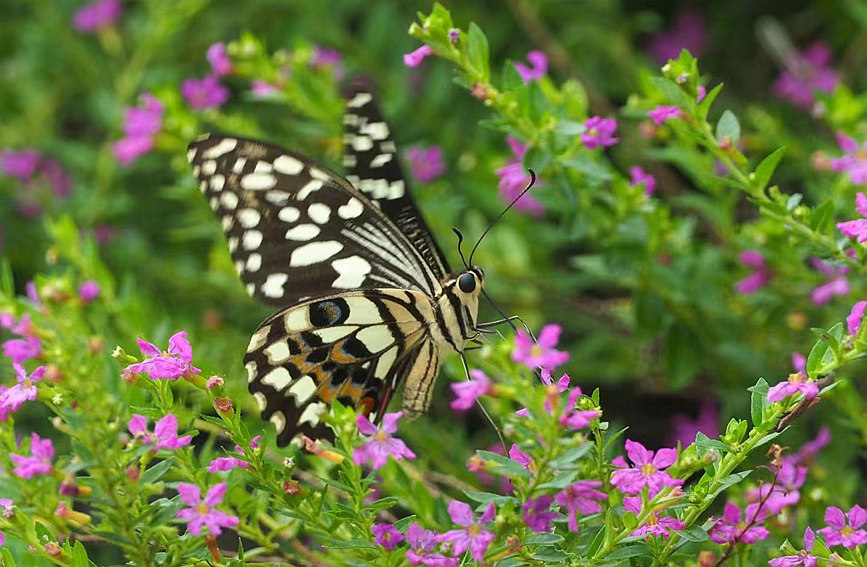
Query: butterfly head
point(472, 281)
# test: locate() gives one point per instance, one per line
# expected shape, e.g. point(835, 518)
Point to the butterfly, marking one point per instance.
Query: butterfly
point(367, 300)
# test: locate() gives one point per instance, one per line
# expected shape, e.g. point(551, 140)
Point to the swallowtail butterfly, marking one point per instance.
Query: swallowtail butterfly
point(366, 297)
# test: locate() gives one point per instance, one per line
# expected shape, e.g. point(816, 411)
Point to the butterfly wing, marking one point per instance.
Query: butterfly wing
point(355, 347)
point(371, 163)
point(296, 230)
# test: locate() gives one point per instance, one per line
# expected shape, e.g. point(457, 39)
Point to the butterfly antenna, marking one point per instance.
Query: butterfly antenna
point(506, 210)
point(460, 250)
point(481, 407)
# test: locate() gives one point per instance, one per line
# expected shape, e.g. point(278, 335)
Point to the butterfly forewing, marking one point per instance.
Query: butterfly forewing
point(297, 230)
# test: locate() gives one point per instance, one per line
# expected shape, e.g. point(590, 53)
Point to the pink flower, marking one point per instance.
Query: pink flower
point(838, 533)
point(20, 350)
point(221, 464)
point(468, 392)
point(422, 543)
point(171, 365)
point(140, 125)
point(386, 535)
point(684, 429)
point(219, 59)
point(796, 383)
point(810, 449)
point(473, 536)
point(324, 57)
point(799, 362)
point(88, 291)
point(542, 353)
point(23, 391)
point(702, 92)
point(165, 432)
point(537, 513)
point(732, 528)
point(537, 68)
point(808, 73)
point(204, 93)
point(381, 444)
point(426, 164)
point(853, 161)
point(646, 472)
point(687, 32)
point(261, 89)
point(415, 58)
point(655, 524)
point(202, 513)
point(514, 179)
point(20, 164)
point(641, 177)
point(661, 114)
point(760, 275)
point(96, 15)
point(803, 557)
point(522, 458)
point(42, 451)
point(857, 228)
point(599, 132)
point(853, 320)
point(580, 497)
point(574, 418)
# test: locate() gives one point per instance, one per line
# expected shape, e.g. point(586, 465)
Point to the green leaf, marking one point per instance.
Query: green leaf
point(758, 401)
point(694, 533)
point(477, 52)
point(703, 443)
point(569, 128)
point(593, 169)
point(43, 533)
point(488, 497)
point(730, 480)
point(572, 455)
point(561, 480)
point(728, 127)
point(351, 544)
point(544, 539)
point(156, 472)
point(708, 100)
point(671, 91)
point(79, 555)
point(629, 551)
point(765, 170)
point(404, 523)
point(504, 465)
point(8, 560)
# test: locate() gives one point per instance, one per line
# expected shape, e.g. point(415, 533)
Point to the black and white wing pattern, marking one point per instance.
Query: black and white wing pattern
point(371, 163)
point(296, 230)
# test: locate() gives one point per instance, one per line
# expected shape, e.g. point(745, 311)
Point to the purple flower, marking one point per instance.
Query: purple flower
point(688, 32)
point(221, 464)
point(204, 93)
point(580, 497)
point(261, 89)
point(641, 177)
point(799, 362)
point(219, 60)
point(796, 383)
point(468, 392)
point(838, 533)
point(88, 291)
point(599, 132)
point(684, 429)
point(808, 73)
point(53, 172)
point(804, 557)
point(24, 391)
point(702, 92)
point(165, 432)
point(732, 528)
point(853, 320)
point(415, 58)
point(20, 164)
point(426, 164)
point(760, 275)
point(422, 543)
point(171, 365)
point(20, 350)
point(473, 536)
point(537, 68)
point(655, 524)
point(42, 451)
point(96, 15)
point(810, 449)
point(537, 513)
point(542, 353)
point(386, 535)
point(837, 284)
point(574, 418)
point(646, 472)
point(140, 125)
point(854, 162)
point(522, 458)
point(381, 444)
point(324, 57)
point(662, 113)
point(201, 513)
point(514, 179)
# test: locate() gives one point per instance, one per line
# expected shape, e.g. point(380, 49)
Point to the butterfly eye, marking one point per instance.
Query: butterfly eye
point(467, 282)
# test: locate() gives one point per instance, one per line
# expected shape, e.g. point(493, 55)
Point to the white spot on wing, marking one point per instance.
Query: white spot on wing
point(396, 189)
point(249, 218)
point(251, 370)
point(251, 289)
point(258, 181)
point(310, 187)
point(352, 272)
point(288, 165)
point(319, 174)
point(380, 160)
point(273, 286)
point(296, 320)
point(278, 352)
point(279, 378)
point(331, 334)
point(279, 421)
point(233, 243)
point(261, 400)
point(302, 389)
point(258, 338)
point(361, 143)
point(320, 213)
point(375, 337)
point(227, 222)
point(385, 362)
point(376, 130)
point(222, 147)
point(229, 200)
point(314, 253)
point(302, 232)
point(191, 153)
point(311, 413)
point(359, 100)
point(351, 209)
point(209, 167)
point(254, 262)
point(239, 165)
point(289, 214)
point(217, 182)
point(263, 167)
point(277, 197)
point(251, 239)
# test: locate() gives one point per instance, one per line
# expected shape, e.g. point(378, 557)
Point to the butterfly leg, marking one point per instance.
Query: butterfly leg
point(484, 327)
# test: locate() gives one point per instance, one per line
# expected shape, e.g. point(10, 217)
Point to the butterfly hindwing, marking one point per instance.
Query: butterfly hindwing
point(295, 229)
point(355, 347)
point(371, 163)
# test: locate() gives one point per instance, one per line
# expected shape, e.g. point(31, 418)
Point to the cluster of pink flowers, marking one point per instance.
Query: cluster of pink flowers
point(228, 463)
point(841, 530)
point(538, 66)
point(599, 132)
point(25, 347)
point(165, 435)
point(514, 178)
point(760, 275)
point(426, 164)
point(639, 177)
point(23, 391)
point(39, 461)
point(96, 15)
point(837, 284)
point(141, 124)
point(857, 228)
point(661, 114)
point(41, 178)
point(171, 365)
point(809, 73)
point(208, 92)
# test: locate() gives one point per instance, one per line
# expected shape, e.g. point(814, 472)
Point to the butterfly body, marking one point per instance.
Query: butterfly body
point(365, 295)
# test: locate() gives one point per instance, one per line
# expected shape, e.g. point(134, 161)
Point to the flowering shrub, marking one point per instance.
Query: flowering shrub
point(677, 250)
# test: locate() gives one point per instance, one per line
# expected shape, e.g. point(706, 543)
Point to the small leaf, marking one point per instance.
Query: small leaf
point(728, 127)
point(488, 497)
point(404, 523)
point(544, 539)
point(767, 166)
point(703, 443)
point(730, 480)
point(504, 465)
point(79, 555)
point(477, 52)
point(758, 401)
point(694, 533)
point(629, 551)
point(156, 472)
